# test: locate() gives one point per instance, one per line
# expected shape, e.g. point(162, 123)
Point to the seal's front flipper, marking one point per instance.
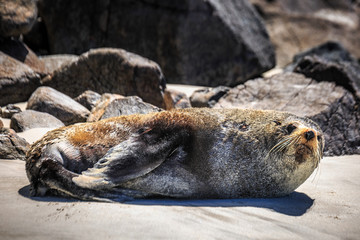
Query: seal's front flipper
point(140, 154)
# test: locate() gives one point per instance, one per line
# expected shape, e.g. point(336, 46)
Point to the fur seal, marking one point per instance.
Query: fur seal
point(189, 153)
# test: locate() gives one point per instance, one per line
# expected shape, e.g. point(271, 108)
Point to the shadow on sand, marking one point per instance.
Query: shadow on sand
point(295, 204)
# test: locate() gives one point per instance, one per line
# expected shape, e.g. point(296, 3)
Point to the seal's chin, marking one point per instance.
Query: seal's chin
point(303, 152)
point(304, 149)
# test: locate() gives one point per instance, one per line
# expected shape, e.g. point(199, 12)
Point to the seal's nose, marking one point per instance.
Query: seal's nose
point(309, 135)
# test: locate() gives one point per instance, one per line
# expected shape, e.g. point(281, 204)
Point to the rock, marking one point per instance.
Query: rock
point(88, 99)
point(37, 38)
point(176, 100)
point(108, 70)
point(1, 123)
point(10, 110)
point(295, 26)
point(17, 80)
point(29, 119)
point(332, 107)
point(54, 62)
point(11, 145)
point(101, 105)
point(46, 99)
point(17, 17)
point(19, 51)
point(208, 97)
point(122, 106)
point(329, 62)
point(197, 42)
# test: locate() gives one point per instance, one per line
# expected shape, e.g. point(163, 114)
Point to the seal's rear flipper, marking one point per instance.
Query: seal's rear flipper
point(54, 176)
point(133, 158)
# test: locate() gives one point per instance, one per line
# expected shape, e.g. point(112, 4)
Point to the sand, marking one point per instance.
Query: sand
point(326, 206)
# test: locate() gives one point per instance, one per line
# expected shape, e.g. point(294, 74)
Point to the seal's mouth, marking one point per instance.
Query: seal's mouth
point(304, 149)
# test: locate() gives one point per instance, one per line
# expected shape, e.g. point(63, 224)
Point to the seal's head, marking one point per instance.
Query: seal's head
point(299, 147)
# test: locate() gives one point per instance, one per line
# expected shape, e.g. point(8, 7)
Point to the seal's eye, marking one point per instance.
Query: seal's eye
point(290, 128)
point(277, 123)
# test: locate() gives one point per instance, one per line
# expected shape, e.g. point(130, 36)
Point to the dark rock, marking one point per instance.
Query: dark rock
point(295, 26)
point(88, 99)
point(329, 62)
point(332, 107)
point(108, 70)
point(11, 145)
point(46, 99)
point(33, 119)
point(17, 80)
point(101, 105)
point(19, 51)
point(208, 97)
point(176, 100)
point(10, 110)
point(37, 39)
point(54, 62)
point(17, 17)
point(1, 123)
point(124, 106)
point(198, 42)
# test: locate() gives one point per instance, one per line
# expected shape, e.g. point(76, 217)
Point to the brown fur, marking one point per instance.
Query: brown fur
point(194, 153)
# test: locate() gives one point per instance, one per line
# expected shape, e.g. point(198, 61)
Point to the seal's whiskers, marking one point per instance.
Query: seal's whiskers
point(284, 143)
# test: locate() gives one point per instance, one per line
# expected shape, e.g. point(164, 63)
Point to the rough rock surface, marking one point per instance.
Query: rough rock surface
point(46, 99)
point(109, 70)
point(329, 62)
point(19, 51)
point(54, 62)
point(101, 105)
point(122, 106)
point(88, 99)
point(9, 111)
point(1, 124)
point(207, 97)
point(17, 80)
point(17, 17)
point(176, 100)
point(33, 119)
point(194, 41)
point(11, 145)
point(332, 107)
point(295, 26)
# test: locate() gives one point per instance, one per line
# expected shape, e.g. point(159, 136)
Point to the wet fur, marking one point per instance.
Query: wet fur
point(194, 153)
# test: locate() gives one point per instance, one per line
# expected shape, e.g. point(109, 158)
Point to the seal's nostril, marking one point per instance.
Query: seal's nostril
point(309, 135)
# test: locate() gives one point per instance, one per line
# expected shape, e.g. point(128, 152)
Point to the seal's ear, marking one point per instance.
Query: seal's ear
point(133, 158)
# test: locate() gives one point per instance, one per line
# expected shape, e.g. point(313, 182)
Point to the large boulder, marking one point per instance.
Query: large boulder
point(109, 70)
point(332, 107)
point(29, 119)
point(295, 26)
point(17, 80)
point(61, 106)
point(17, 17)
point(329, 62)
point(11, 145)
point(194, 41)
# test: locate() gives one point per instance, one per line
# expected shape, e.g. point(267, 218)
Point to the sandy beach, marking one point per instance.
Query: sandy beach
point(326, 206)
